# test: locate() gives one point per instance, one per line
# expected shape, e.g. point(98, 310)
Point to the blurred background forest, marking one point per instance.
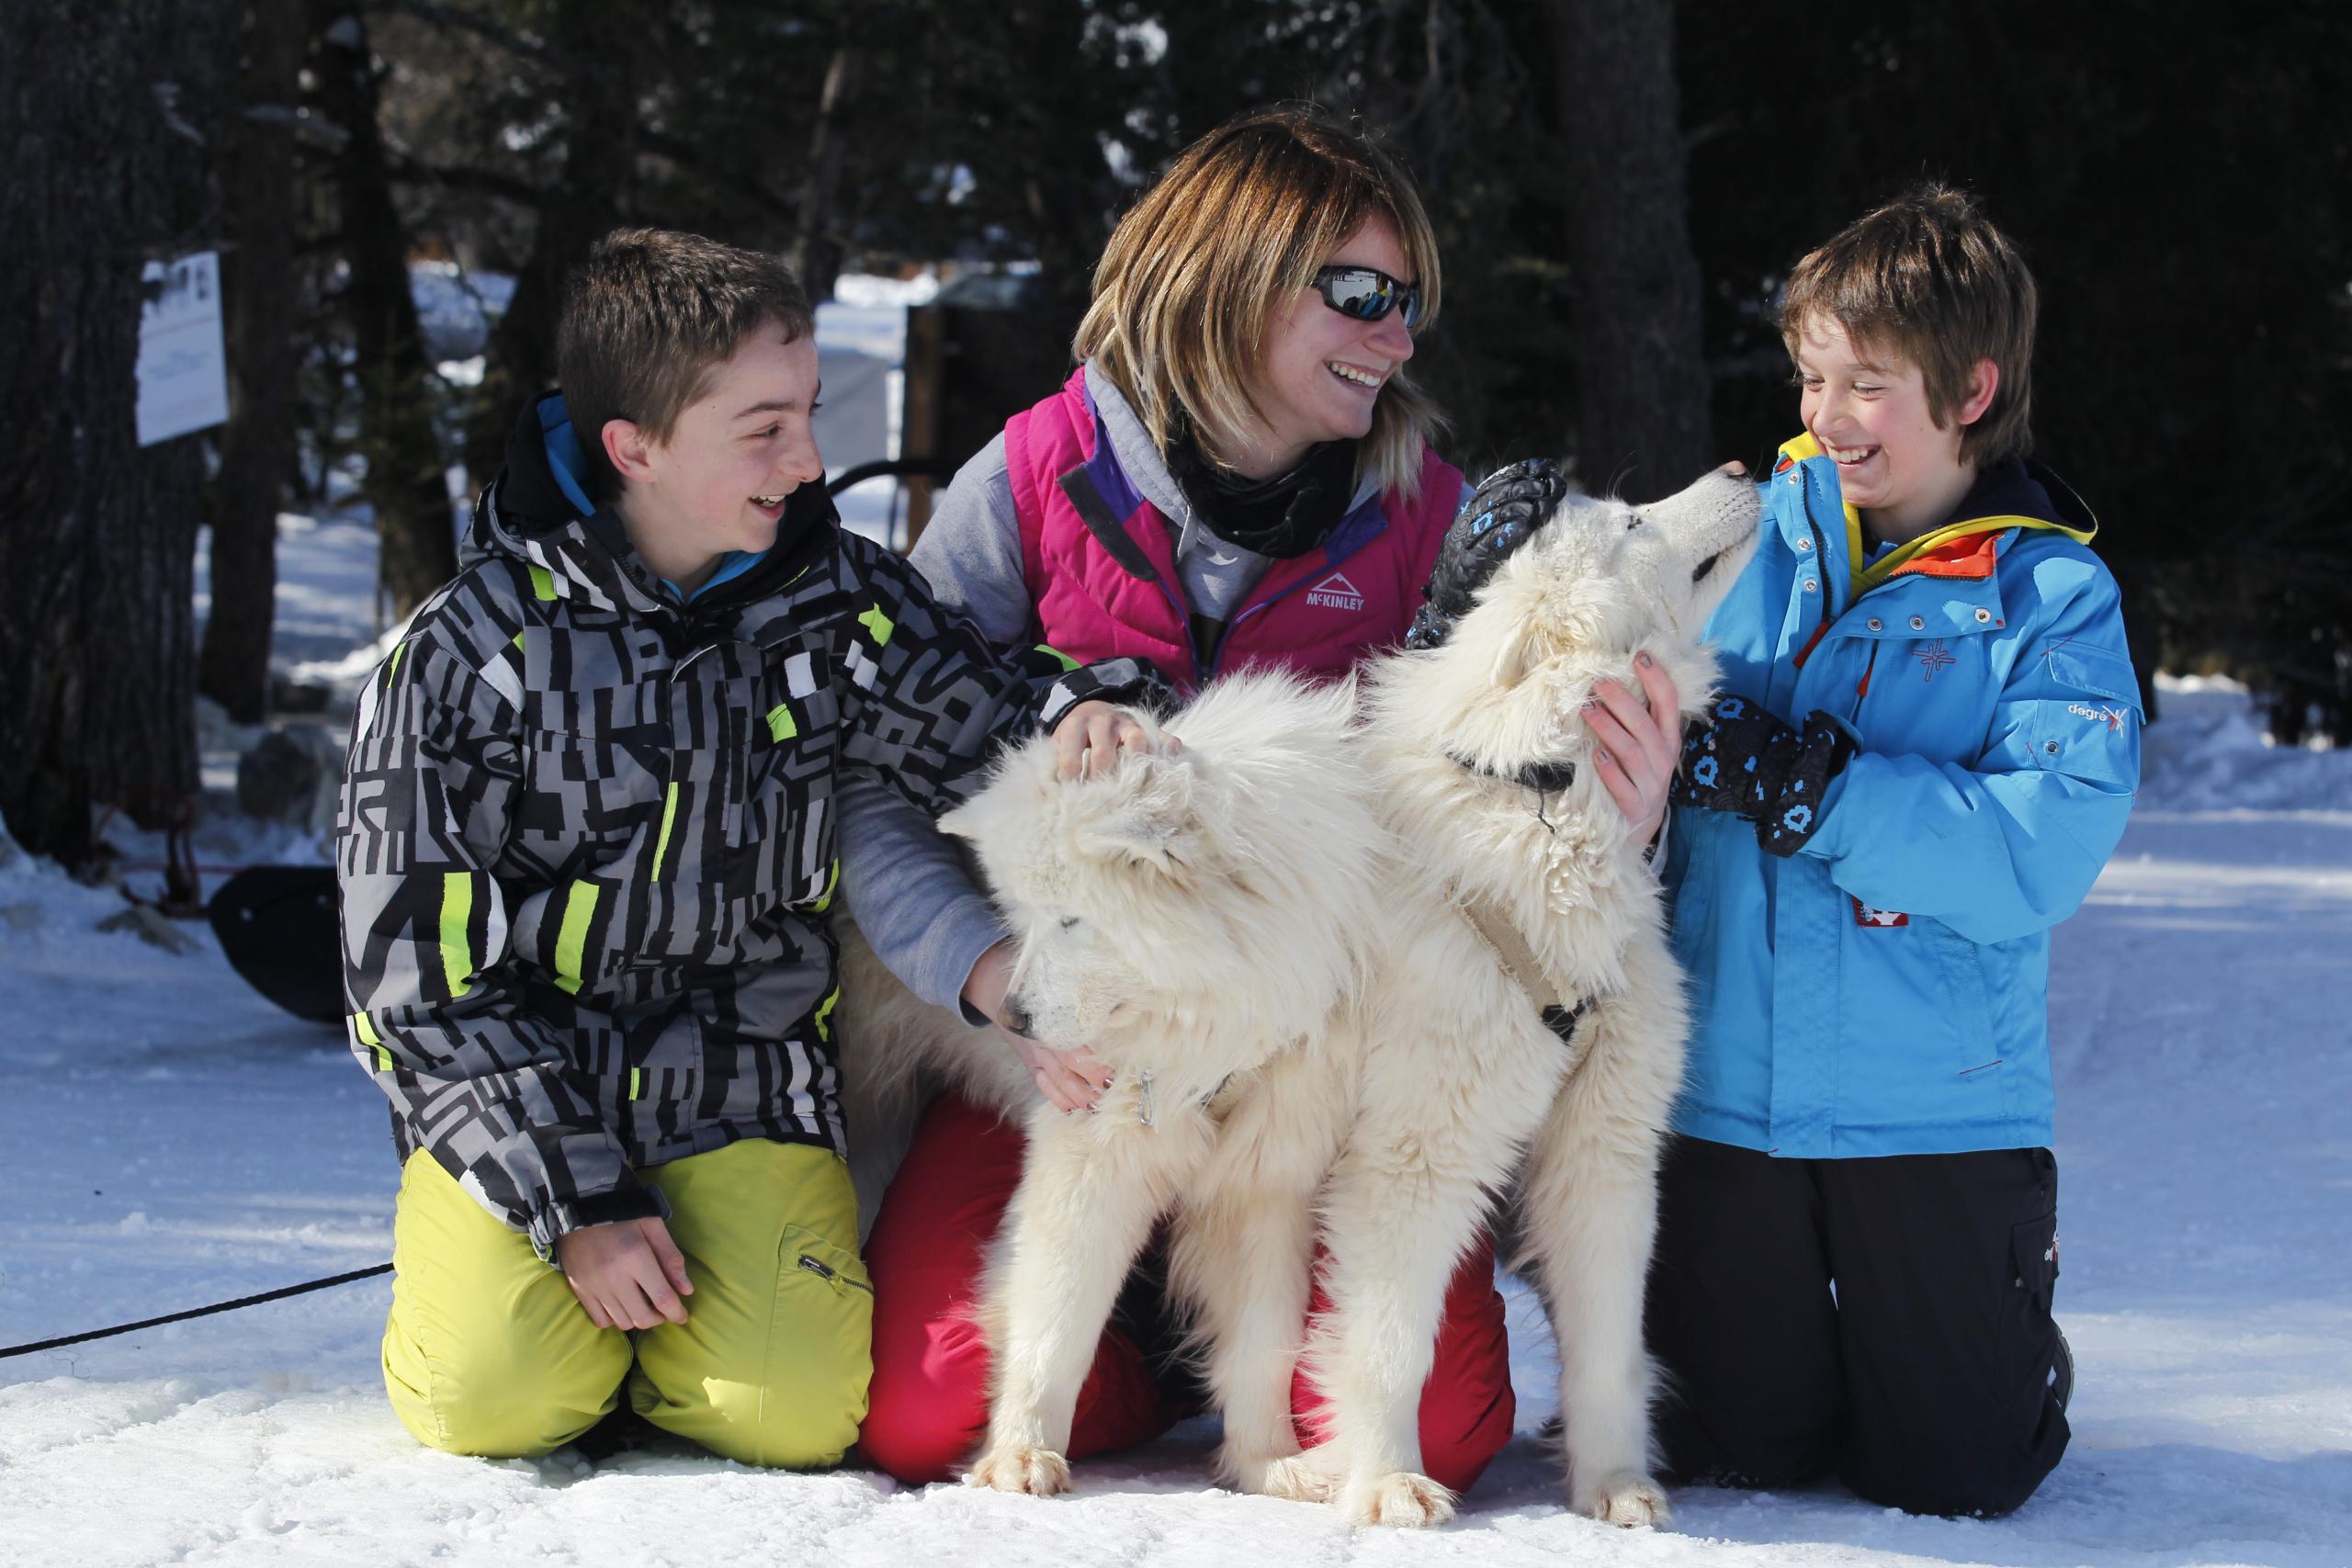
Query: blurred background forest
point(1619, 187)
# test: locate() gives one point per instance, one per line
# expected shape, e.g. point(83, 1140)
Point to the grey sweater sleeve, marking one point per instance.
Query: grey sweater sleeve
point(906, 883)
point(970, 551)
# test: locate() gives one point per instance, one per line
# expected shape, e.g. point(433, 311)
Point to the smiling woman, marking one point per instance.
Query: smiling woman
point(1238, 474)
point(1229, 307)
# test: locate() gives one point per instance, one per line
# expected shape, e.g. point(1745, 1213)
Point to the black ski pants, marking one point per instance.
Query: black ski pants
point(1884, 1319)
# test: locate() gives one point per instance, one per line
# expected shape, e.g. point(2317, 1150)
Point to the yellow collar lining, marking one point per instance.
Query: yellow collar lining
point(1862, 579)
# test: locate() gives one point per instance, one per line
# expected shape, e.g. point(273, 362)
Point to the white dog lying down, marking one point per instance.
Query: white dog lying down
point(1318, 947)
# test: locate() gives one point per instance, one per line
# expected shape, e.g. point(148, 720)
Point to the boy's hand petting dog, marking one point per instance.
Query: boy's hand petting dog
point(1638, 738)
point(1742, 760)
point(1071, 1081)
point(629, 1274)
point(1090, 735)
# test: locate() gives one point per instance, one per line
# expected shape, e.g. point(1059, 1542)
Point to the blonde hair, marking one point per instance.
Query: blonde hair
point(1187, 289)
point(1930, 277)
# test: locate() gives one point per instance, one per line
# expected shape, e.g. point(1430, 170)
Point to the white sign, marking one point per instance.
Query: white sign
point(183, 370)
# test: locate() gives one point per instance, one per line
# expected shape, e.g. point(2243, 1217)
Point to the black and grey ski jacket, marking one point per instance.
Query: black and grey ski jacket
point(586, 837)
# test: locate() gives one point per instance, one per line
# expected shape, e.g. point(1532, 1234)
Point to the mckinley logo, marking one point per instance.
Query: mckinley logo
point(1334, 593)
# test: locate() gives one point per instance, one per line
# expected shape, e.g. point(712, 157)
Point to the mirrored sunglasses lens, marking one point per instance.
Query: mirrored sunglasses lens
point(1361, 295)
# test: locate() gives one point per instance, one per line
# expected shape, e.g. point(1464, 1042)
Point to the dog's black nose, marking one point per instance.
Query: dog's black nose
point(1016, 1017)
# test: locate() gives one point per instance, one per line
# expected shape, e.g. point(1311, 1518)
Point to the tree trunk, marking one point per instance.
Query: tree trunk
point(1643, 424)
point(407, 482)
point(816, 258)
point(257, 452)
point(596, 98)
point(109, 113)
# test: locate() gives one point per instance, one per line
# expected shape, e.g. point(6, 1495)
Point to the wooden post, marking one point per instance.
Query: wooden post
point(924, 391)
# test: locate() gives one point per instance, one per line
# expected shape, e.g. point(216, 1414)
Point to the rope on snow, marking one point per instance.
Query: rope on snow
point(8, 1350)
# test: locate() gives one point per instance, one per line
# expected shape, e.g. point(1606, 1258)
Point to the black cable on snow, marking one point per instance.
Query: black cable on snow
point(8, 1350)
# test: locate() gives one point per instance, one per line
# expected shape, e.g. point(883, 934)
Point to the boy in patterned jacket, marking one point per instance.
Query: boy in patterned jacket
point(586, 849)
point(1930, 748)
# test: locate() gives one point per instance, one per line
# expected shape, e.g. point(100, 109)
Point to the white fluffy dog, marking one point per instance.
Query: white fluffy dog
point(1320, 949)
point(1201, 924)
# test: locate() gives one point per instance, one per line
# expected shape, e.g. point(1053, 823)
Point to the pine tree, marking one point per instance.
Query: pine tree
point(111, 116)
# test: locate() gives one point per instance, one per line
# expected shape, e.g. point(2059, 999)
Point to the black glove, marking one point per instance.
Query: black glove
point(1742, 760)
point(1501, 514)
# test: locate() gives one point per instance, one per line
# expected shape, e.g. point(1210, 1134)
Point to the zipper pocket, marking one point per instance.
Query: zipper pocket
point(1862, 686)
point(830, 1275)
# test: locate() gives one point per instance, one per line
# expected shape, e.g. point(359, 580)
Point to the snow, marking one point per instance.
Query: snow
point(860, 359)
point(167, 1140)
point(327, 591)
point(861, 289)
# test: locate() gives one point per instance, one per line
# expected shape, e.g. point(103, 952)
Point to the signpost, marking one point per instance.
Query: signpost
point(183, 370)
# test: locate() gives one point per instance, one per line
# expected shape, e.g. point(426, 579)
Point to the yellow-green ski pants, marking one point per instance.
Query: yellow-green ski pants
point(487, 1351)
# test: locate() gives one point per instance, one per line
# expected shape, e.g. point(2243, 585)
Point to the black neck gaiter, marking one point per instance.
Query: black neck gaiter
point(1284, 517)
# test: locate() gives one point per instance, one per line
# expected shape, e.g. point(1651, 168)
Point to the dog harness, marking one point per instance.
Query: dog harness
point(1561, 1008)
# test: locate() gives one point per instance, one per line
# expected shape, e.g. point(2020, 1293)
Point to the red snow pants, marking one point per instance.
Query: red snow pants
point(928, 1404)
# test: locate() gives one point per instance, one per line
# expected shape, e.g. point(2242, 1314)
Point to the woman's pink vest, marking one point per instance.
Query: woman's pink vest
point(1101, 569)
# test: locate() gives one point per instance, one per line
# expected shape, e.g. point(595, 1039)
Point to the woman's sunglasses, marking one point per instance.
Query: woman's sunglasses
point(1368, 294)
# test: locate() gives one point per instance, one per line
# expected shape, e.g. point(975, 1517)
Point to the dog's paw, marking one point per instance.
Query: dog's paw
point(1399, 1499)
point(1627, 1498)
point(1041, 1473)
point(1290, 1475)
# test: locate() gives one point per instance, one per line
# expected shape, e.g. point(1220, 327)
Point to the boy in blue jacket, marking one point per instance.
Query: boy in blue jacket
point(1927, 749)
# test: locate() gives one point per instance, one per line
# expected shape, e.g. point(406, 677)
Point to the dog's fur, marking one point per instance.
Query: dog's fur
point(1265, 937)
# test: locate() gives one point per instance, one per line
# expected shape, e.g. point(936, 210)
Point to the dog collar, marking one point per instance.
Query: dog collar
point(1543, 778)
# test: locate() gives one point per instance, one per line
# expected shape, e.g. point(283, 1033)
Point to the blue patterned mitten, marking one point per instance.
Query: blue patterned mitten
point(1742, 760)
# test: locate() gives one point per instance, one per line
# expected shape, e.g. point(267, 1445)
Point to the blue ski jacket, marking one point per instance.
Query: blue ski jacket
point(1884, 991)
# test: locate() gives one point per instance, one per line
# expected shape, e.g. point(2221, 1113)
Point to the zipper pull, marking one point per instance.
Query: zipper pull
point(832, 1276)
point(1862, 686)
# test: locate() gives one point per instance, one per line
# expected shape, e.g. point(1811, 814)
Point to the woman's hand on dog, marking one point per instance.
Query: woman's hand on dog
point(1638, 738)
point(1071, 1081)
point(1090, 735)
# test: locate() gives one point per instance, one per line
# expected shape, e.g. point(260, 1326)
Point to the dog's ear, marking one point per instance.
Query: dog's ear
point(1033, 763)
point(1519, 651)
point(1153, 823)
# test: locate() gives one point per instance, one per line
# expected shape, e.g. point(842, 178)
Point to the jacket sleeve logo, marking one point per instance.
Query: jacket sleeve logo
point(2112, 717)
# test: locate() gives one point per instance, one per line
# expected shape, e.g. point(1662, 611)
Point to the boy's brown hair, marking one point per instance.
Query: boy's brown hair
point(646, 317)
point(1928, 278)
point(1187, 287)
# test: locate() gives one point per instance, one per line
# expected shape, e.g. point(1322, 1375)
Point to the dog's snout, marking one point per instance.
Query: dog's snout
point(1017, 1014)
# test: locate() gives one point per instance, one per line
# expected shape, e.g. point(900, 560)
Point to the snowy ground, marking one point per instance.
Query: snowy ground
point(167, 1139)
